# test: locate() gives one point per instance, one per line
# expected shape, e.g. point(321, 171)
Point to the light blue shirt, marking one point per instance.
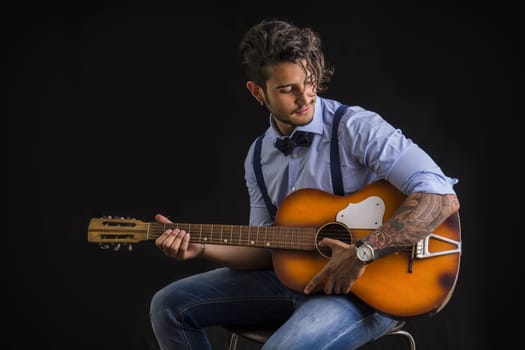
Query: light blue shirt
point(370, 149)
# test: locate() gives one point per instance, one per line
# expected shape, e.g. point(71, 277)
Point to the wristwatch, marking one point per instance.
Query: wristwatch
point(364, 252)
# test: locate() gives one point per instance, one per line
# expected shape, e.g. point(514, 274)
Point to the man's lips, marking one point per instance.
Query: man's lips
point(302, 111)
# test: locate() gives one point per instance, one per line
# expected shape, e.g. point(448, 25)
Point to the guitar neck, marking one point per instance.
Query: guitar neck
point(113, 230)
point(281, 237)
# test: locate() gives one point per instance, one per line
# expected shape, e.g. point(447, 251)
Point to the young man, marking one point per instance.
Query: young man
point(286, 70)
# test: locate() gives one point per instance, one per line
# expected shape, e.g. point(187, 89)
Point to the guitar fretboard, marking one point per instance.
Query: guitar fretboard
point(282, 237)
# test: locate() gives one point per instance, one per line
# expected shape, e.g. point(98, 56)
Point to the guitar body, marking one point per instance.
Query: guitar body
point(387, 284)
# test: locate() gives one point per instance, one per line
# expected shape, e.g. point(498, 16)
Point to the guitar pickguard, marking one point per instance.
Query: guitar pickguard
point(367, 214)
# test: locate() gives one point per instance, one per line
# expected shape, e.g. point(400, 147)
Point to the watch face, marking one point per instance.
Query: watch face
point(365, 253)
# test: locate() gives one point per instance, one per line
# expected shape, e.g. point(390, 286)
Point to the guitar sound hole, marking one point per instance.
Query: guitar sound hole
point(334, 230)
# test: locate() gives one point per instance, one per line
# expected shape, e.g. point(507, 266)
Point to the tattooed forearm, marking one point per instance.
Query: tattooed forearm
point(417, 217)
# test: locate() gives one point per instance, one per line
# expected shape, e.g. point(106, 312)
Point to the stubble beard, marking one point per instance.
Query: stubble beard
point(288, 121)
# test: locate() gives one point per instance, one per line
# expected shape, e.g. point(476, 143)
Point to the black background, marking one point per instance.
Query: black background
point(134, 108)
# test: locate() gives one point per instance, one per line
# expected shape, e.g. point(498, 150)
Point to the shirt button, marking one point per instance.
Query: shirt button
point(293, 188)
point(294, 155)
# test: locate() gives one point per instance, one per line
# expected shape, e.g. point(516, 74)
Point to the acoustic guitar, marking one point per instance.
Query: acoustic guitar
point(411, 283)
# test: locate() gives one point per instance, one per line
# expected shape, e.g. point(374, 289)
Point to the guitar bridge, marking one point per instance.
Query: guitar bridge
point(423, 251)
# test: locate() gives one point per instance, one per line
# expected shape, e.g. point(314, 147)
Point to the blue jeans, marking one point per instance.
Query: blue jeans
point(226, 297)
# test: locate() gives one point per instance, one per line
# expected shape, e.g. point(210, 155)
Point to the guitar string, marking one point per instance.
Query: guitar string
point(281, 235)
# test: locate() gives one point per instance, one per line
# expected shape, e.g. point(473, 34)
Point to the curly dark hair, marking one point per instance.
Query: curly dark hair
point(274, 41)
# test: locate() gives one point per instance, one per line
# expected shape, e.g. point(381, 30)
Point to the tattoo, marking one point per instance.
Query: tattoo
point(417, 217)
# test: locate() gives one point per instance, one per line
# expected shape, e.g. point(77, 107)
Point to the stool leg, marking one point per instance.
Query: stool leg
point(406, 334)
point(234, 339)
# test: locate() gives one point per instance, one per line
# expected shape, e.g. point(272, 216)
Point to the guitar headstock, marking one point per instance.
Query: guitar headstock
point(117, 231)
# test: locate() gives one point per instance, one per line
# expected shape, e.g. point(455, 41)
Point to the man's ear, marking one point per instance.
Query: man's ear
point(256, 91)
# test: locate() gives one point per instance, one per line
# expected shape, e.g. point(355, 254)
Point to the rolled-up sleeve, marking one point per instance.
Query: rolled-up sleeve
point(416, 171)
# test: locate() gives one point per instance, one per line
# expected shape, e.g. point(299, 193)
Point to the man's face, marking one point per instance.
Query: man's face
point(290, 95)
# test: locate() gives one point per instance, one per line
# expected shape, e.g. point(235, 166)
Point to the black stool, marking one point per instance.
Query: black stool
point(261, 334)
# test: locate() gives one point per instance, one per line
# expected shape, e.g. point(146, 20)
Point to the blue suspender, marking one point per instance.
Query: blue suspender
point(335, 164)
point(272, 209)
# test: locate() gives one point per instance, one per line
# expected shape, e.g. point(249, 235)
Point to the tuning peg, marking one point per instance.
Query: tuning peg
point(116, 247)
point(130, 247)
point(104, 246)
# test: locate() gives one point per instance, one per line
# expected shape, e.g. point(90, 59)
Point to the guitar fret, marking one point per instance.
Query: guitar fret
point(249, 235)
point(241, 236)
point(202, 228)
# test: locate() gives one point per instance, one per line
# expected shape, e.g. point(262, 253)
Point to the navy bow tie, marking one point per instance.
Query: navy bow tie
point(299, 138)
